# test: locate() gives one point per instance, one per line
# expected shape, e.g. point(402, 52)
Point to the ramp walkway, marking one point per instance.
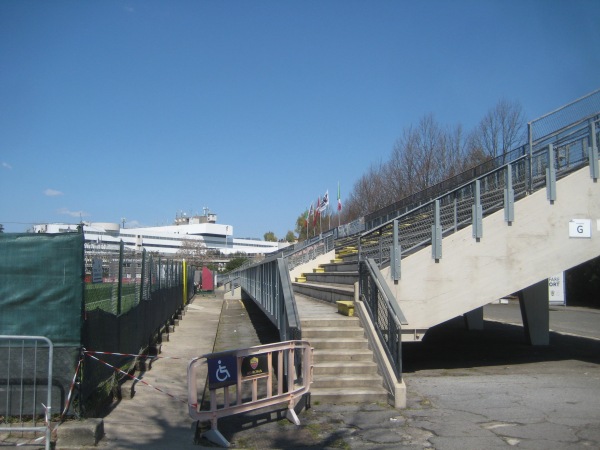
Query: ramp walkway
point(156, 420)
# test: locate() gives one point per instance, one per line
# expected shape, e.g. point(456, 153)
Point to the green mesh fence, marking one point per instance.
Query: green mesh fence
point(78, 294)
point(41, 286)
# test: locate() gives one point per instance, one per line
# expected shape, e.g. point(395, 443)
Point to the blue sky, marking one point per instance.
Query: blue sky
point(142, 109)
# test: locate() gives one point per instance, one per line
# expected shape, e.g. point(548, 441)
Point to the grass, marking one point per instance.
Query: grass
point(104, 296)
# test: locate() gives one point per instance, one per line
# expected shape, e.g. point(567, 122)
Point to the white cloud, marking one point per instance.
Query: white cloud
point(67, 212)
point(6, 165)
point(52, 192)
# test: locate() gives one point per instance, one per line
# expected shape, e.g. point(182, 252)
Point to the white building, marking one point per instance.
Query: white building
point(167, 239)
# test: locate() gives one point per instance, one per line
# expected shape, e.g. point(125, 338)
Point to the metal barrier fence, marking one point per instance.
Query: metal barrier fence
point(26, 382)
point(245, 380)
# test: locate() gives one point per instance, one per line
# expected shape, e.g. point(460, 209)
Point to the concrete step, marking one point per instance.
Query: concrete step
point(341, 266)
point(329, 293)
point(332, 332)
point(324, 355)
point(345, 368)
point(336, 395)
point(346, 381)
point(348, 344)
point(337, 320)
point(342, 278)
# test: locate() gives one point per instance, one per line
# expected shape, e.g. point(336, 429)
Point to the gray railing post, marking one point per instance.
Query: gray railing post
point(395, 256)
point(477, 213)
point(551, 175)
point(455, 212)
point(530, 159)
point(436, 233)
point(143, 274)
point(509, 196)
point(593, 152)
point(120, 291)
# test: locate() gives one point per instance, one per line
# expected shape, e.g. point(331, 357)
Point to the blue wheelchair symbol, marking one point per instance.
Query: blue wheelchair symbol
point(222, 371)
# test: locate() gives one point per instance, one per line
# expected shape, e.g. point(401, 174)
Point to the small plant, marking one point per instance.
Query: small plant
point(340, 443)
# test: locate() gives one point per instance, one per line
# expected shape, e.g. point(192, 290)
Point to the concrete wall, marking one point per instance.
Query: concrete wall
point(507, 258)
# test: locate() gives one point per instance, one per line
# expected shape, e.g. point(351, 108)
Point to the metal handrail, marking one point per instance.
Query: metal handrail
point(386, 315)
point(268, 285)
point(311, 249)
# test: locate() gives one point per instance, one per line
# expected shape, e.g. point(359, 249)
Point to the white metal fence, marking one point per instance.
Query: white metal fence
point(26, 385)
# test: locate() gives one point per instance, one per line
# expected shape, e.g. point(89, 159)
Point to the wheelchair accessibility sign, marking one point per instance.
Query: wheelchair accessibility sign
point(222, 371)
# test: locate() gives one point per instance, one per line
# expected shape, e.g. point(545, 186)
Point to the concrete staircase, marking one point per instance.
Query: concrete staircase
point(330, 282)
point(344, 366)
point(344, 370)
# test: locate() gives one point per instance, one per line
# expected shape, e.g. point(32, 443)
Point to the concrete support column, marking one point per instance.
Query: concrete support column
point(474, 319)
point(536, 313)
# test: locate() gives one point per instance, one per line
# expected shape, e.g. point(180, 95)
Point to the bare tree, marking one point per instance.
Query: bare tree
point(194, 251)
point(368, 193)
point(419, 158)
point(501, 130)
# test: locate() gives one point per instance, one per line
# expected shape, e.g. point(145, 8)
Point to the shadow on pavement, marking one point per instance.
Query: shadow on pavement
point(451, 346)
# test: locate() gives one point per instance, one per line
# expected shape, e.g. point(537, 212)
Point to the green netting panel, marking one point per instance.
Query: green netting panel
point(41, 286)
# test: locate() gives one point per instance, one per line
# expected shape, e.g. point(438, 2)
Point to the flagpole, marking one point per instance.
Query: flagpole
point(307, 219)
point(339, 205)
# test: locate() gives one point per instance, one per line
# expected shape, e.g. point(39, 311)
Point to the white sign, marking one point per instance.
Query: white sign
point(556, 289)
point(580, 228)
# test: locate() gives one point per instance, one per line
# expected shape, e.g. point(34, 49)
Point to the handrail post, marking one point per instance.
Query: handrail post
point(477, 213)
point(436, 233)
point(395, 257)
point(509, 195)
point(593, 152)
point(530, 158)
point(551, 176)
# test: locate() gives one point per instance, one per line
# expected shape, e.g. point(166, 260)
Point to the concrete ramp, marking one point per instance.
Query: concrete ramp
point(508, 258)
